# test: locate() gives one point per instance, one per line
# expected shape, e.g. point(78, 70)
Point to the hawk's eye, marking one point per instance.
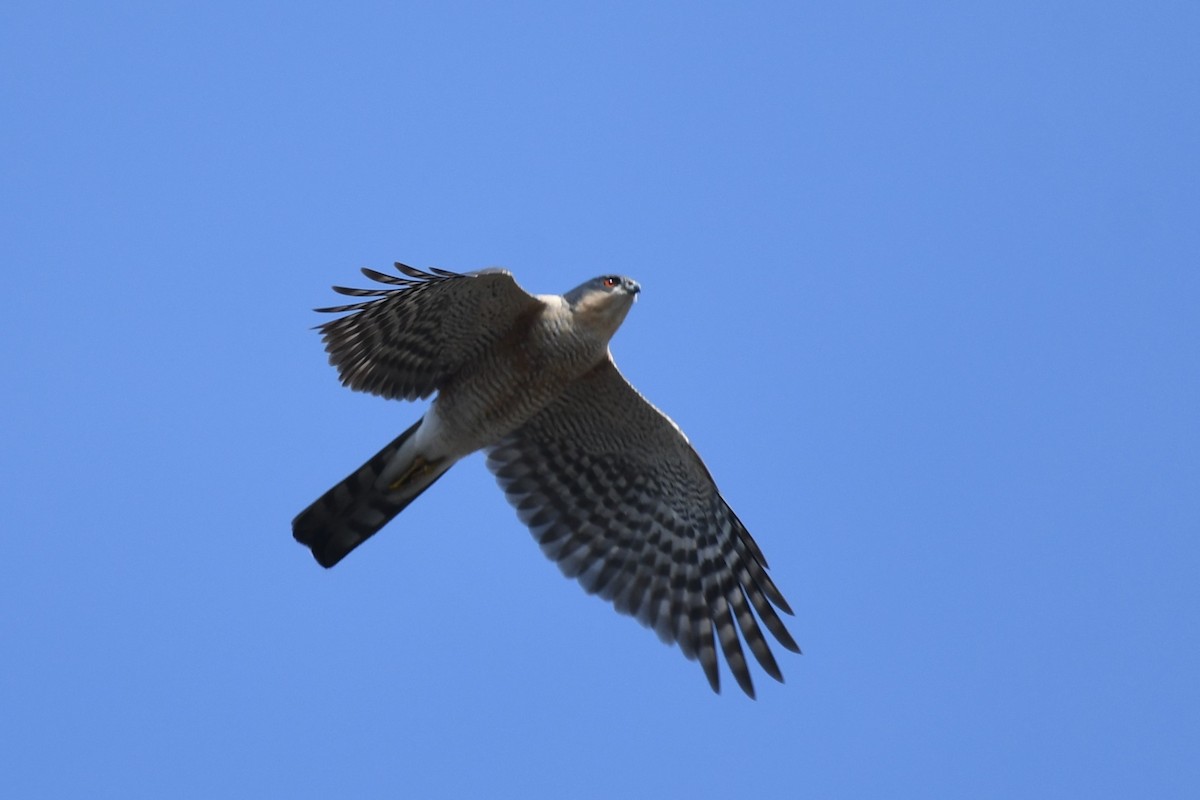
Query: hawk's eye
point(611, 281)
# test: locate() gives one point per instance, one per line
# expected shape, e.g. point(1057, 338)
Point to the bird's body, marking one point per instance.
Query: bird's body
point(515, 377)
point(607, 484)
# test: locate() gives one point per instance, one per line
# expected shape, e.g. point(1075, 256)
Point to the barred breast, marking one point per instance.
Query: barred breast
point(509, 382)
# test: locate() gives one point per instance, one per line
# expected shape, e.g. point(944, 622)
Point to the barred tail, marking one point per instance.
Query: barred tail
point(355, 509)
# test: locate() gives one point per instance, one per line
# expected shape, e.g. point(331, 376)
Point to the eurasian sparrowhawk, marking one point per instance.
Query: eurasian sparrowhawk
point(608, 484)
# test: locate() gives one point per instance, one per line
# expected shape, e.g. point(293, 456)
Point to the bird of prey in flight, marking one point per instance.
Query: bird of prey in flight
point(609, 486)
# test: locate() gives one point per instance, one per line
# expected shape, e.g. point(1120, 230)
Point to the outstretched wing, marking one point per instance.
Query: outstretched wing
point(405, 341)
point(612, 490)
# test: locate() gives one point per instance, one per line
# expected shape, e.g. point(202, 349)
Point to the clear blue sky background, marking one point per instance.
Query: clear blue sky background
point(921, 282)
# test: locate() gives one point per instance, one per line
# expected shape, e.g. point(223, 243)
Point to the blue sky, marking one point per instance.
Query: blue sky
point(920, 283)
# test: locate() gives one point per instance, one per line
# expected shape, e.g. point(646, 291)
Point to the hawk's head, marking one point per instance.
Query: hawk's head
point(603, 302)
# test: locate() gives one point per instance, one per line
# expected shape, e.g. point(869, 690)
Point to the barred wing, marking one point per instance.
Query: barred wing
point(614, 493)
point(407, 340)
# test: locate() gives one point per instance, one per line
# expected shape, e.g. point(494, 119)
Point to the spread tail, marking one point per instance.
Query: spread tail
point(353, 510)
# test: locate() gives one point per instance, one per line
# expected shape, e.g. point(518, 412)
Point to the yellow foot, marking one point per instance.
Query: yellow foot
point(419, 467)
